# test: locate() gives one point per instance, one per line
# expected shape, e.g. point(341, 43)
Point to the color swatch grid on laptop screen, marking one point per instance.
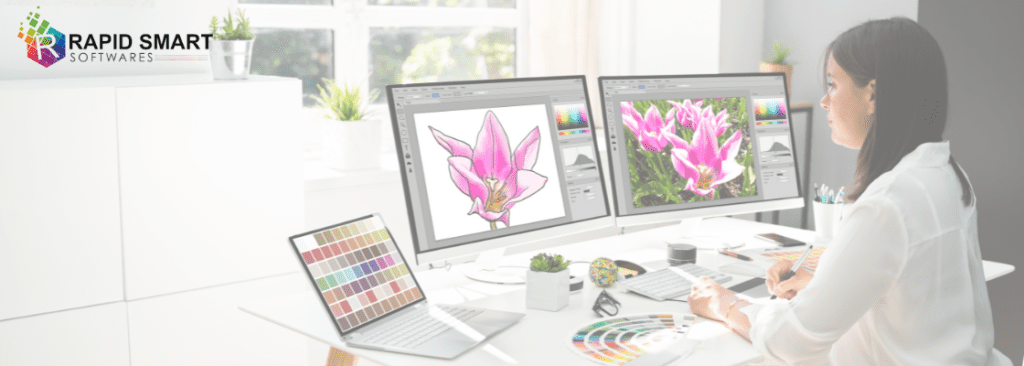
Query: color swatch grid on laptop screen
point(358, 270)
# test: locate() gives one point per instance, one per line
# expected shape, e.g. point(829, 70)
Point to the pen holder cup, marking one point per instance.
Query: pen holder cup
point(826, 220)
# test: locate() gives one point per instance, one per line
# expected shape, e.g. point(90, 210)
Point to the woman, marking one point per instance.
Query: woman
point(902, 282)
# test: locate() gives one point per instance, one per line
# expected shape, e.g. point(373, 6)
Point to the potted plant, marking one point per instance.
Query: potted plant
point(547, 283)
point(776, 62)
point(231, 47)
point(351, 139)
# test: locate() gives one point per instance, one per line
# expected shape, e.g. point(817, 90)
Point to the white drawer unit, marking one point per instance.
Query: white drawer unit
point(205, 327)
point(60, 223)
point(211, 183)
point(122, 188)
point(90, 336)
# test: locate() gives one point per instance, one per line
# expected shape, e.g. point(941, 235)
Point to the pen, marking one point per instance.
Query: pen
point(736, 255)
point(796, 266)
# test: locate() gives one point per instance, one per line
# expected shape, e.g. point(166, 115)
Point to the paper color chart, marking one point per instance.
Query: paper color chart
point(358, 271)
point(621, 339)
point(769, 109)
point(571, 116)
point(810, 262)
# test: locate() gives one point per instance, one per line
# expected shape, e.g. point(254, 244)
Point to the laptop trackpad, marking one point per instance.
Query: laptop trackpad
point(448, 344)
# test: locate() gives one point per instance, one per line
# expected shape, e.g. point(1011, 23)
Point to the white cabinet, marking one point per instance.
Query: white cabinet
point(205, 327)
point(211, 183)
point(145, 193)
point(96, 335)
point(60, 231)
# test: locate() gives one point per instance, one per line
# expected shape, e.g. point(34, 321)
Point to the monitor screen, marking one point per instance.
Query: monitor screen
point(690, 142)
point(493, 158)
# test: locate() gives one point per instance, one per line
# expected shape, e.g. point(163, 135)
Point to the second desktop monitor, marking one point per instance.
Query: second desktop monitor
point(700, 145)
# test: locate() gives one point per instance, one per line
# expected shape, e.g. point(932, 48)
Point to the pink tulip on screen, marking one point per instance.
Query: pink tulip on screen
point(650, 128)
point(493, 176)
point(703, 164)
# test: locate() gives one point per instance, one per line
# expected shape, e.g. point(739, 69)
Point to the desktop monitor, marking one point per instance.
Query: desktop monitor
point(491, 164)
point(693, 146)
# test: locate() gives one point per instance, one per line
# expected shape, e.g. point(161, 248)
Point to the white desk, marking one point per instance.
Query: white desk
point(540, 337)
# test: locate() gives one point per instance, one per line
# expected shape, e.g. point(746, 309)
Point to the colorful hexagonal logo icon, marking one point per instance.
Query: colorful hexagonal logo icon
point(45, 45)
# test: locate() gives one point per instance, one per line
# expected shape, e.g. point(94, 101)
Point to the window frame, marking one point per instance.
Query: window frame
point(351, 20)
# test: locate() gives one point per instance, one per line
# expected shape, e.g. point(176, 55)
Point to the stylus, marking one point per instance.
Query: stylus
point(792, 272)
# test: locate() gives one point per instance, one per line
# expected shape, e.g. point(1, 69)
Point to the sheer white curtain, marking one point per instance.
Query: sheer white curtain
point(564, 40)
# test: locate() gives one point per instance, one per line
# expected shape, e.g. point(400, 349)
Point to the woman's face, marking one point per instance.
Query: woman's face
point(850, 108)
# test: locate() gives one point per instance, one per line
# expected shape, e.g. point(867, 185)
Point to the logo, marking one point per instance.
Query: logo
point(45, 44)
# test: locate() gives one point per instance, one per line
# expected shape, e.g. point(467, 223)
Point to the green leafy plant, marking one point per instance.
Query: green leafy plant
point(779, 56)
point(548, 263)
point(344, 102)
point(231, 31)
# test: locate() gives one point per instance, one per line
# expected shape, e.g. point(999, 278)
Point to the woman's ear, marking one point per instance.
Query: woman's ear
point(871, 97)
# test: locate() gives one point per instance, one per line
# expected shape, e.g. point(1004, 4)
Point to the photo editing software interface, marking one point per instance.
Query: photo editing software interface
point(488, 159)
point(690, 142)
point(358, 271)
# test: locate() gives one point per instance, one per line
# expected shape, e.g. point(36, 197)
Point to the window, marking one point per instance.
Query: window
point(306, 54)
point(381, 42)
point(428, 54)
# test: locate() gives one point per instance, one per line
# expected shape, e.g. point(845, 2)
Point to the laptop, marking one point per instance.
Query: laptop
point(374, 300)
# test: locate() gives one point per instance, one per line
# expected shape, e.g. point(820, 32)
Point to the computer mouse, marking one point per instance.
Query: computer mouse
point(744, 268)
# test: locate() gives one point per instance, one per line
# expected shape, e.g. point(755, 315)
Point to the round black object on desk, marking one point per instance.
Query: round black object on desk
point(575, 284)
point(681, 254)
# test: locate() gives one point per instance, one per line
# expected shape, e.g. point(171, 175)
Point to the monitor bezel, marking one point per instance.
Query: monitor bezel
point(716, 210)
point(490, 243)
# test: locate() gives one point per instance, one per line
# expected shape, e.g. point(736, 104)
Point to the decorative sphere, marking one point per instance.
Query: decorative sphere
point(603, 272)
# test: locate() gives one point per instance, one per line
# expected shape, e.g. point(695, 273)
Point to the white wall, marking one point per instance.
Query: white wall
point(134, 17)
point(666, 37)
point(984, 122)
point(676, 37)
point(742, 34)
point(807, 27)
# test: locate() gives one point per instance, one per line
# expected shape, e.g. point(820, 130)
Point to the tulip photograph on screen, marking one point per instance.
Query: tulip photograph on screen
point(688, 150)
point(488, 169)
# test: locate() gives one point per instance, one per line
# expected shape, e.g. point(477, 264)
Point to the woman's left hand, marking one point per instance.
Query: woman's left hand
point(710, 300)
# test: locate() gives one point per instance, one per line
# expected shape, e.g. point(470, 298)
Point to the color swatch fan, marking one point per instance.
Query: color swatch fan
point(622, 339)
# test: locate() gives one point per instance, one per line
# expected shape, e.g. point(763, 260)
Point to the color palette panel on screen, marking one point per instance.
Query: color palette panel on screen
point(769, 109)
point(357, 268)
point(571, 116)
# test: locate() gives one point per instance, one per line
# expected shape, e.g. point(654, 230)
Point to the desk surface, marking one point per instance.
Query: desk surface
point(541, 336)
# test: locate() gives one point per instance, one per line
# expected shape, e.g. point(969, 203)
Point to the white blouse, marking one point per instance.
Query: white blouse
point(901, 283)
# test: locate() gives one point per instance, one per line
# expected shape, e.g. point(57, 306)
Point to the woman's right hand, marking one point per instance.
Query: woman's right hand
point(789, 288)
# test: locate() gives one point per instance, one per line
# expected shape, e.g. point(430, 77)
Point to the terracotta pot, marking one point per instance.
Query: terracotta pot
point(788, 69)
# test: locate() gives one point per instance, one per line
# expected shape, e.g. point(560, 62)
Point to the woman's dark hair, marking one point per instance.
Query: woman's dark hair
point(910, 93)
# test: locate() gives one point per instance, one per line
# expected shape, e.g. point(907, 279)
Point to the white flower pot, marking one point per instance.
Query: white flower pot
point(352, 145)
point(547, 291)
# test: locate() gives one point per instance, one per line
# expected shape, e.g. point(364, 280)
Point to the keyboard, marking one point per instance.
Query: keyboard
point(415, 328)
point(667, 283)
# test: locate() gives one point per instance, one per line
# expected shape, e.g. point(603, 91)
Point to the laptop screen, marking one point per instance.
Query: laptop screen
point(358, 270)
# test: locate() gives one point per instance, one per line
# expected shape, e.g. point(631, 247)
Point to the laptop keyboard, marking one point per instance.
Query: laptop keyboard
point(419, 326)
point(667, 283)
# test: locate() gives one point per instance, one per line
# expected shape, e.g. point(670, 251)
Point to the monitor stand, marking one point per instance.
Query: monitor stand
point(688, 232)
point(486, 269)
